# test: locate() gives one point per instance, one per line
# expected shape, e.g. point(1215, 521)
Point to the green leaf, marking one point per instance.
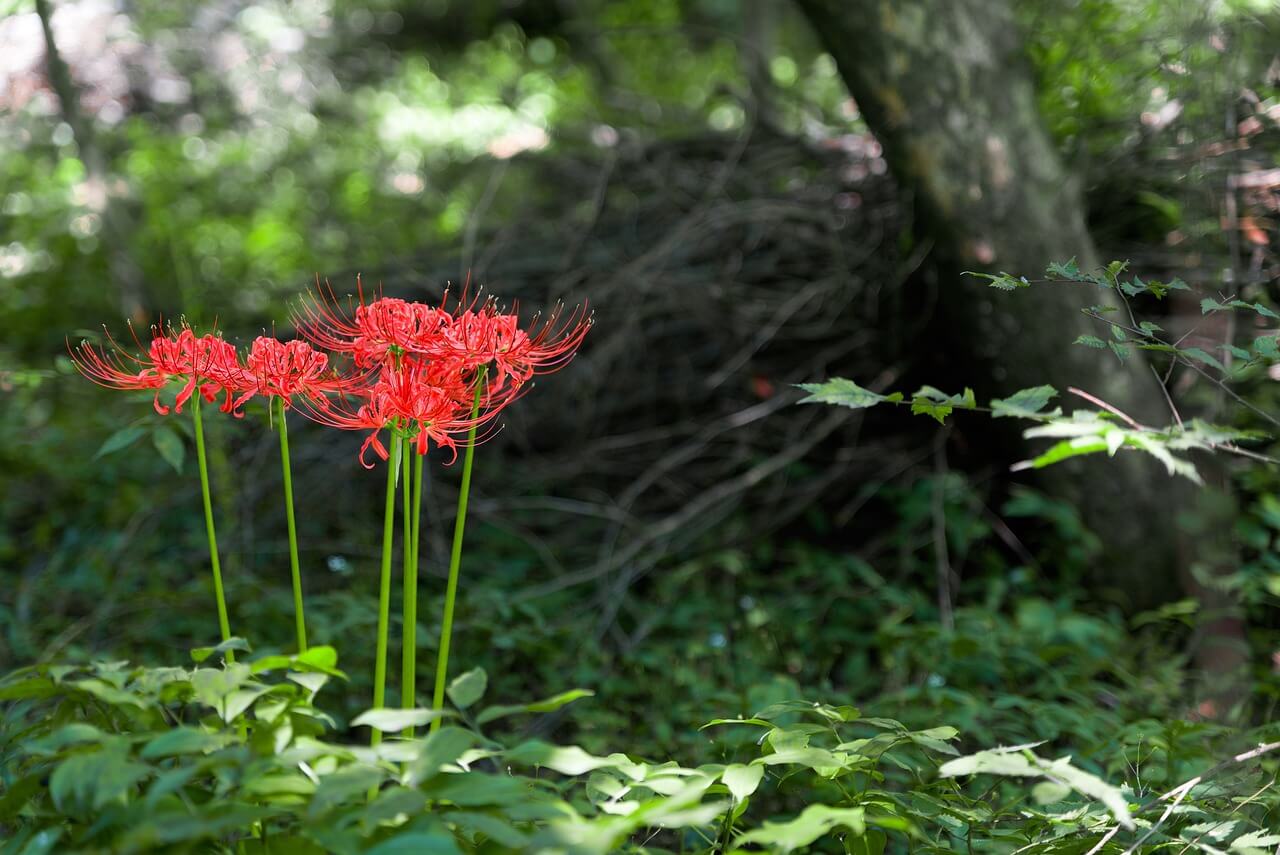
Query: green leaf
point(1018, 761)
point(417, 843)
point(1266, 347)
point(1202, 356)
point(1069, 448)
point(742, 780)
point(845, 393)
point(91, 781)
point(466, 689)
point(183, 740)
point(871, 843)
point(565, 759)
point(171, 447)
point(1090, 341)
point(1003, 281)
point(1024, 404)
point(396, 720)
point(1070, 270)
point(345, 785)
point(441, 748)
point(120, 440)
point(545, 705)
point(1049, 792)
point(200, 654)
point(1263, 840)
point(814, 822)
point(938, 405)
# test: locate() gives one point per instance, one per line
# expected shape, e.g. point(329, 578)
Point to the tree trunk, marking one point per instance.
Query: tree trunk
point(945, 88)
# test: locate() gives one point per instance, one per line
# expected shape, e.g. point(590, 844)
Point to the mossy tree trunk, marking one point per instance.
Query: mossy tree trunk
point(945, 87)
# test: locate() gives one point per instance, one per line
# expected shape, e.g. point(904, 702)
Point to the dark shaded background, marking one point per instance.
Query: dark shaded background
point(659, 521)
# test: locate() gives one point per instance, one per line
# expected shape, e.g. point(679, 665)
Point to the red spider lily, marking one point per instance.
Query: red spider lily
point(372, 331)
point(490, 337)
point(425, 402)
point(284, 369)
point(183, 355)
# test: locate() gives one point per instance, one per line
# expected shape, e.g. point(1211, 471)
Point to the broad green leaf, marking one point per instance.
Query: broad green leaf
point(183, 740)
point(417, 843)
point(200, 654)
point(468, 688)
point(814, 822)
point(121, 439)
point(171, 447)
point(348, 784)
point(1002, 761)
point(546, 705)
point(565, 759)
point(1020, 762)
point(1202, 356)
point(441, 748)
point(1090, 341)
point(1049, 792)
point(1069, 448)
point(90, 781)
point(396, 720)
point(1025, 403)
point(871, 843)
point(741, 780)
point(1262, 840)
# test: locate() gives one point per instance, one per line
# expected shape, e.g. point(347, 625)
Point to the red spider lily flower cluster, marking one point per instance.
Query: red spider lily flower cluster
point(206, 363)
point(438, 372)
point(429, 373)
point(212, 366)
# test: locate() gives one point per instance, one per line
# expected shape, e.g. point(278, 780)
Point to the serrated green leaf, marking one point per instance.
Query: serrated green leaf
point(1090, 341)
point(1003, 281)
point(845, 393)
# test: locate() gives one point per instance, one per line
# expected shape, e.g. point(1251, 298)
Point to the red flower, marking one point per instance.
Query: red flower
point(490, 337)
point(372, 330)
point(284, 369)
point(423, 402)
point(183, 355)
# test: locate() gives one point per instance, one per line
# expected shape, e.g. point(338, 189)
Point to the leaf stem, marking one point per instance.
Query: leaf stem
point(384, 585)
point(224, 624)
point(294, 568)
point(455, 556)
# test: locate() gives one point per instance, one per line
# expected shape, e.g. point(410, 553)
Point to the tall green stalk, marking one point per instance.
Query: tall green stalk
point(298, 620)
point(455, 556)
point(409, 654)
point(224, 624)
point(384, 585)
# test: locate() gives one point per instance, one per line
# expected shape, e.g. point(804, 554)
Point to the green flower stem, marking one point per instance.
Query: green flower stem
point(409, 665)
point(224, 624)
point(406, 545)
point(294, 569)
point(384, 585)
point(455, 556)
